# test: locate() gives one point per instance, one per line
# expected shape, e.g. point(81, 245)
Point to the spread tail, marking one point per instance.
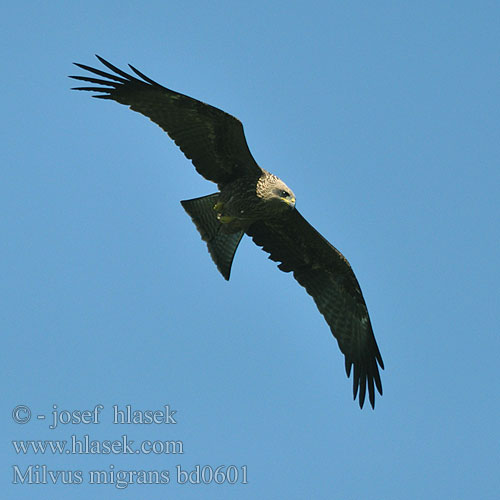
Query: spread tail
point(221, 245)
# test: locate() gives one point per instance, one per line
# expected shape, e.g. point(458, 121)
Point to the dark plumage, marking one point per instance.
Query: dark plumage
point(253, 201)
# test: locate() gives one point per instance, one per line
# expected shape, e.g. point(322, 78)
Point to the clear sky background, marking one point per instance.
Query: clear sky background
point(384, 119)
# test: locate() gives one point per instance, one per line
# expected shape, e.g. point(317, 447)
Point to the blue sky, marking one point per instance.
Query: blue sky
point(383, 119)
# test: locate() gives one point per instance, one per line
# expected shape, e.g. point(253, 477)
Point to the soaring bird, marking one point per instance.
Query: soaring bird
point(255, 202)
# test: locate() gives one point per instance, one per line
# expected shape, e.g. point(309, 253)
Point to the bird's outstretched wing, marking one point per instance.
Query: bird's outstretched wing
point(327, 276)
point(213, 139)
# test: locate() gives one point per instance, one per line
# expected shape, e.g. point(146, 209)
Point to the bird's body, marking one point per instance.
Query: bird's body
point(249, 199)
point(255, 202)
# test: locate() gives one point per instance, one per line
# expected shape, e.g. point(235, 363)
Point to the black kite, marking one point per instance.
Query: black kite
point(253, 201)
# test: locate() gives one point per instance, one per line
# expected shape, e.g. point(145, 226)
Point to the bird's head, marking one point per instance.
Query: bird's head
point(273, 190)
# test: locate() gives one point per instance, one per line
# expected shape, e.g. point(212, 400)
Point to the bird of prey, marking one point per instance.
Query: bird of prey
point(255, 202)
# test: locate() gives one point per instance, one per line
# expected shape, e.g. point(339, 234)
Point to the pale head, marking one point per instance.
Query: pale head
point(273, 190)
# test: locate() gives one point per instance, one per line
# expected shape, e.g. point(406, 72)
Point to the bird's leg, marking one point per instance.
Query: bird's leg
point(224, 219)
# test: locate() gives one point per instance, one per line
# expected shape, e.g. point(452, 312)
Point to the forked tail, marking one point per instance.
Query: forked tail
point(222, 246)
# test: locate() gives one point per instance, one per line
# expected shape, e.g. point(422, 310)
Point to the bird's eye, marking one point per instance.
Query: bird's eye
point(284, 194)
